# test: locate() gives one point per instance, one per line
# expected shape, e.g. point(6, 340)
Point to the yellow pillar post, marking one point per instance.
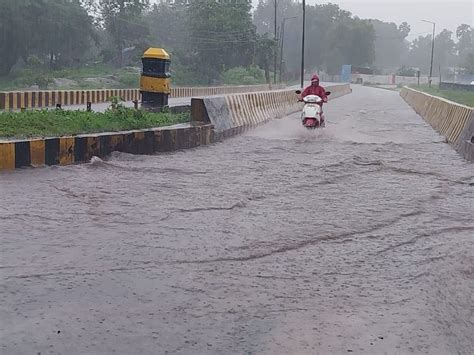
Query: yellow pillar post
point(155, 79)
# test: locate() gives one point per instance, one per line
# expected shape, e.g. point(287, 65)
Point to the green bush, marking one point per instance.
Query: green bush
point(243, 76)
point(406, 71)
point(43, 80)
point(92, 70)
point(27, 79)
point(182, 75)
point(33, 62)
point(128, 79)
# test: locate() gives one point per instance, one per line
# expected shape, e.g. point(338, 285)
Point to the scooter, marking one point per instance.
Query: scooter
point(311, 116)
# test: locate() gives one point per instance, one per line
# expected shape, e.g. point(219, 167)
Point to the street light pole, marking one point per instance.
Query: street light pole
point(302, 44)
point(282, 38)
point(275, 54)
point(432, 51)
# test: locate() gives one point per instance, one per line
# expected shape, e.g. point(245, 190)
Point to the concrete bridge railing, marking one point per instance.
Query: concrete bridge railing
point(453, 121)
point(16, 100)
point(232, 114)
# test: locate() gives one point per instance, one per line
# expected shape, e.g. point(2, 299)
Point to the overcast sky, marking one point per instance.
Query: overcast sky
point(447, 14)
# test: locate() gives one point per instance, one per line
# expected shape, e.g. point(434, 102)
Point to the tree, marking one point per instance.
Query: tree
point(391, 46)
point(265, 51)
point(349, 42)
point(465, 45)
point(406, 71)
point(13, 35)
point(222, 35)
point(169, 25)
point(263, 19)
point(64, 30)
point(322, 21)
point(444, 49)
point(361, 48)
point(469, 64)
point(59, 29)
point(124, 22)
point(264, 13)
point(334, 37)
point(420, 52)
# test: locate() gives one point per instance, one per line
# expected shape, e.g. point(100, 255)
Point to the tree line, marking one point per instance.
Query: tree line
point(212, 40)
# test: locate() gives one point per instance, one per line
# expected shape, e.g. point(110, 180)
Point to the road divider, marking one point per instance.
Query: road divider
point(81, 148)
point(453, 121)
point(233, 114)
point(16, 100)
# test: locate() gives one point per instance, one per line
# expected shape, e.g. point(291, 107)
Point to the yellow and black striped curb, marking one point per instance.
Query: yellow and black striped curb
point(81, 148)
point(41, 99)
point(16, 100)
point(232, 114)
point(453, 121)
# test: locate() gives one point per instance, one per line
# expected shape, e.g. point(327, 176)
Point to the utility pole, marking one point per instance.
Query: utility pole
point(282, 39)
point(275, 51)
point(302, 44)
point(432, 51)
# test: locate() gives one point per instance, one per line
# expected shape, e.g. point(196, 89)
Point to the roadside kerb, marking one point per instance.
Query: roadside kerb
point(81, 148)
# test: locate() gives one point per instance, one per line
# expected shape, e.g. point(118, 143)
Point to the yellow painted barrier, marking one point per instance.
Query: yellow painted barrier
point(15, 100)
point(452, 120)
point(81, 148)
point(446, 117)
point(231, 113)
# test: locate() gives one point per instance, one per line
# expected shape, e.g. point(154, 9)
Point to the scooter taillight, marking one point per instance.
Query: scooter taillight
point(310, 122)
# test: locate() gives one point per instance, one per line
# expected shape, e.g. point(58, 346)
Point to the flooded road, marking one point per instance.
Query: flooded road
point(356, 239)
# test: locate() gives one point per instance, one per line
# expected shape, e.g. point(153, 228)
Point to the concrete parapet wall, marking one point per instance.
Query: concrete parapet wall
point(453, 121)
point(15, 100)
point(392, 79)
point(81, 148)
point(231, 114)
point(221, 90)
point(338, 90)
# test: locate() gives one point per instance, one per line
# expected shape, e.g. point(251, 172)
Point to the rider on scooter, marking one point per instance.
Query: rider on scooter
point(316, 89)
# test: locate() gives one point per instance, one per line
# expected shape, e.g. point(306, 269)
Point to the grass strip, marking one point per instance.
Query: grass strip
point(56, 123)
point(459, 96)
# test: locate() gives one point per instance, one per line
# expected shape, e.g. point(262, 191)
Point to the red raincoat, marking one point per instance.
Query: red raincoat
point(315, 90)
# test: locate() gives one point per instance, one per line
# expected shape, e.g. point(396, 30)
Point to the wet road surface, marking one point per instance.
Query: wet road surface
point(356, 239)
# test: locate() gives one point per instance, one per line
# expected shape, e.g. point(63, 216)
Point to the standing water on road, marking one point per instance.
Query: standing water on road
point(357, 238)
